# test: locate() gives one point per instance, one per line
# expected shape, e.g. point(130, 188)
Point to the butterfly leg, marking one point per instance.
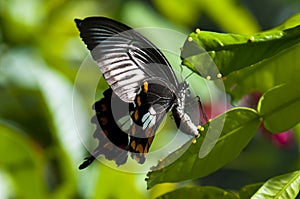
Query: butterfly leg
point(202, 112)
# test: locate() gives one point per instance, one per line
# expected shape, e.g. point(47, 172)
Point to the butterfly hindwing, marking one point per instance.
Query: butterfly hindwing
point(112, 139)
point(148, 113)
point(139, 147)
point(145, 115)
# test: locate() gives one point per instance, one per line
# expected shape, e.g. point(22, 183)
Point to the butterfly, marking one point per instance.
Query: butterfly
point(142, 90)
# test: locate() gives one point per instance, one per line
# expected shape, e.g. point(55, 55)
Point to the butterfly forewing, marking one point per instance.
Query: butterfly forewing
point(114, 45)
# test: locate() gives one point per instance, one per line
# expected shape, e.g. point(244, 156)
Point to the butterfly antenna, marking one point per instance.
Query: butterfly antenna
point(202, 111)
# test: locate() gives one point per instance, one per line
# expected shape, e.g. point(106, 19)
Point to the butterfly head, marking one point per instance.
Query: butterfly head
point(185, 85)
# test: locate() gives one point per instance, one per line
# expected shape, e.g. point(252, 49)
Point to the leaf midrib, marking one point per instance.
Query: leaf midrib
point(287, 185)
point(281, 107)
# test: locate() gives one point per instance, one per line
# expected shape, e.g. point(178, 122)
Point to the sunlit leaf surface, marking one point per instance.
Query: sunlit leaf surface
point(239, 127)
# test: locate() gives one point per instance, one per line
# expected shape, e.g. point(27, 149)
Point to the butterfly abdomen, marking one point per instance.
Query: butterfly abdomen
point(184, 122)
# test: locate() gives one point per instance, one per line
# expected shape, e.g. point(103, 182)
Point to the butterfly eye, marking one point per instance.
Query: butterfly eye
point(188, 92)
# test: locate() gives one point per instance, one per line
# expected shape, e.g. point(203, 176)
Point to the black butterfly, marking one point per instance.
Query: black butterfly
point(143, 88)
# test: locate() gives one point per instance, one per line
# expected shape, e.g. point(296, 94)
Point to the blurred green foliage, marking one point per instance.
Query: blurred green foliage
point(40, 54)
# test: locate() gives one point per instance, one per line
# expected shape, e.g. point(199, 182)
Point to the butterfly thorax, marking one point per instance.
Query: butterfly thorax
point(182, 93)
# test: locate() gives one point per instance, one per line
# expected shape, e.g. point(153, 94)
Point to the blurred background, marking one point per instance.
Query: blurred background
point(40, 54)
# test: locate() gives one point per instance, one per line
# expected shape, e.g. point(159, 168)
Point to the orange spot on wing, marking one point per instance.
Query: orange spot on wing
point(105, 132)
point(103, 120)
point(133, 130)
point(146, 148)
point(103, 107)
point(136, 115)
point(140, 149)
point(138, 101)
point(133, 144)
point(145, 87)
point(150, 139)
point(108, 145)
point(149, 132)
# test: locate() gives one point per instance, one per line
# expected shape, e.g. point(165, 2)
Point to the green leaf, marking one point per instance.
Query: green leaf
point(247, 191)
point(212, 151)
point(296, 131)
point(280, 69)
point(206, 192)
point(232, 52)
point(284, 186)
point(280, 107)
point(22, 159)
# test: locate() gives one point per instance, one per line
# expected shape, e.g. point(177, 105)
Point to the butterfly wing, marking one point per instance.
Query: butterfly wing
point(151, 105)
point(140, 77)
point(112, 140)
point(124, 56)
point(119, 133)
